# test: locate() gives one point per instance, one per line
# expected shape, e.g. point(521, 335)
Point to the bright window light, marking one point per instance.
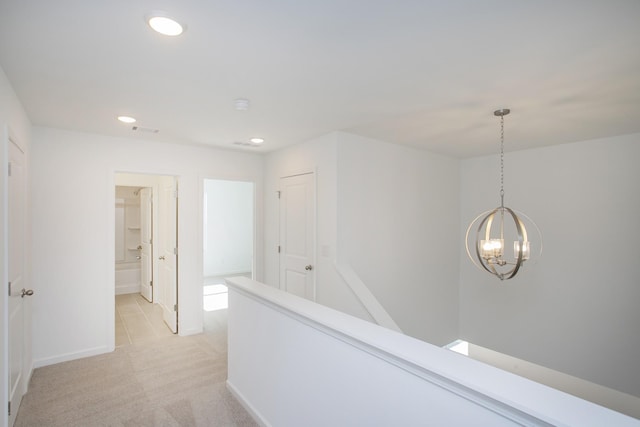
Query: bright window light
point(459, 346)
point(215, 297)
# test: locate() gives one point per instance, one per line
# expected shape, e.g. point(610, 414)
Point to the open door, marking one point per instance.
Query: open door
point(146, 240)
point(168, 251)
point(297, 235)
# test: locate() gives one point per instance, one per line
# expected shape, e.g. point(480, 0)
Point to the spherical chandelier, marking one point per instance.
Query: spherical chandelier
point(491, 229)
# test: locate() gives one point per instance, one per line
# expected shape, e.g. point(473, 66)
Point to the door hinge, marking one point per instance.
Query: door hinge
point(9, 168)
point(9, 288)
point(175, 307)
point(279, 193)
point(278, 248)
point(151, 283)
point(175, 251)
point(9, 409)
point(175, 194)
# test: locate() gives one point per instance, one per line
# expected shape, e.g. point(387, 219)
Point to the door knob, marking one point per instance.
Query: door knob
point(26, 293)
point(309, 267)
point(162, 257)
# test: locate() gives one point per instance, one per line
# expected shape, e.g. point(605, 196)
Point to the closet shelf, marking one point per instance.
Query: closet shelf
point(133, 228)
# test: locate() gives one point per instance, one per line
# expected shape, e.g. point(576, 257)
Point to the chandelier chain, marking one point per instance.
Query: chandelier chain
point(502, 160)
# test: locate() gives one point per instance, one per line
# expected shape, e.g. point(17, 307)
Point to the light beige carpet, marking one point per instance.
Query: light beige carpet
point(172, 381)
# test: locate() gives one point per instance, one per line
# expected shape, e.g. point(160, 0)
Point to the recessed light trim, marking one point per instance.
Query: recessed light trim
point(126, 119)
point(164, 24)
point(257, 140)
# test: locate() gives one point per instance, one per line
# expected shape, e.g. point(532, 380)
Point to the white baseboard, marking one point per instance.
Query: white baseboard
point(132, 288)
point(246, 405)
point(38, 363)
point(186, 332)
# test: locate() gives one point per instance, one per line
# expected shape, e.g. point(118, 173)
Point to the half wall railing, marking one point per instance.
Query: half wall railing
point(293, 362)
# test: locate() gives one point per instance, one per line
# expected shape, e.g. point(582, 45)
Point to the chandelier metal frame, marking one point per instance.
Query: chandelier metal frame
point(489, 253)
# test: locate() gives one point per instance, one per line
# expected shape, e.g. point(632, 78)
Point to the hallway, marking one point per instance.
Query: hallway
point(138, 321)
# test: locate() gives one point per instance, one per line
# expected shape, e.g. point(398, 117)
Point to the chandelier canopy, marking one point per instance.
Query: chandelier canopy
point(493, 228)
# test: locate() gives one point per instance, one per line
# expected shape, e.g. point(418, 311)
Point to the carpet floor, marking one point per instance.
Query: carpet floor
point(172, 381)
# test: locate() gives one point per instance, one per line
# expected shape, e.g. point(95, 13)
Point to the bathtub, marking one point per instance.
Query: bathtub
point(127, 278)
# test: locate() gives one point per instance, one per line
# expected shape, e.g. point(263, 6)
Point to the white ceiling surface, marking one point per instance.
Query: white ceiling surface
point(423, 73)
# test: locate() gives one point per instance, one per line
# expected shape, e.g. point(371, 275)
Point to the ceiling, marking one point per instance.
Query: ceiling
point(427, 74)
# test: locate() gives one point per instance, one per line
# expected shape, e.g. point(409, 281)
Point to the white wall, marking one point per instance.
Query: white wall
point(389, 213)
point(398, 228)
point(73, 231)
point(603, 396)
point(318, 156)
point(15, 123)
point(228, 234)
point(576, 311)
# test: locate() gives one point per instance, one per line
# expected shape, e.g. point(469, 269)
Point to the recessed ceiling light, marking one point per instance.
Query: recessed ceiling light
point(164, 24)
point(126, 119)
point(257, 140)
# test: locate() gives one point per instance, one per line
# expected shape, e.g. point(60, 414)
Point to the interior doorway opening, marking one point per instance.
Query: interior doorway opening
point(228, 241)
point(146, 252)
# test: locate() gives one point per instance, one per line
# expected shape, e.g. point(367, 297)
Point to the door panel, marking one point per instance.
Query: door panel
point(297, 235)
point(17, 336)
point(146, 252)
point(168, 215)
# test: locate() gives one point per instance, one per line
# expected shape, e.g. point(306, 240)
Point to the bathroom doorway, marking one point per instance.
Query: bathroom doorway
point(146, 257)
point(228, 242)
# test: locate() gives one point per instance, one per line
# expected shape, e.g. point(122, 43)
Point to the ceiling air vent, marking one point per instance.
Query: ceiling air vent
point(144, 129)
point(246, 144)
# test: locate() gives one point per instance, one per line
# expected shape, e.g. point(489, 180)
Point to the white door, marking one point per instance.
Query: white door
point(17, 332)
point(146, 251)
point(297, 235)
point(168, 250)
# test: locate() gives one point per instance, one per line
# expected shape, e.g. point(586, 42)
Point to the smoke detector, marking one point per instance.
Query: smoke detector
point(241, 104)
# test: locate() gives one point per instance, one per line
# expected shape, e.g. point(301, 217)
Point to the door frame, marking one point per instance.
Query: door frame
point(4, 264)
point(146, 179)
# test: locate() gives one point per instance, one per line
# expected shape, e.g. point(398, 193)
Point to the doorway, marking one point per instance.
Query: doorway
point(227, 242)
point(146, 254)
